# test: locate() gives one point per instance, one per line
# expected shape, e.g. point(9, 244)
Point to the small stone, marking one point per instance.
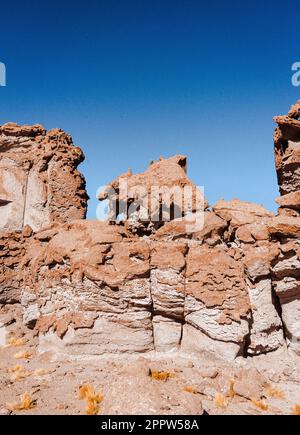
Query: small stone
point(211, 373)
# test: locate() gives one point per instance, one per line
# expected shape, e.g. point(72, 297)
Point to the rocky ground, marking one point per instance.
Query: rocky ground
point(154, 383)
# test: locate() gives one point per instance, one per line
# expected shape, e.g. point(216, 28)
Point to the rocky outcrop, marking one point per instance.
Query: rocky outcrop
point(287, 155)
point(39, 182)
point(150, 199)
point(93, 287)
point(223, 280)
point(286, 226)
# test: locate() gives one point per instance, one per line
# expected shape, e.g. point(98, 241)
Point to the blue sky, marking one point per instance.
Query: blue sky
point(131, 80)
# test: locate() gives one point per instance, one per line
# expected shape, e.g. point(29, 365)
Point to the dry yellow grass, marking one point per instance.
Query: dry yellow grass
point(276, 393)
point(18, 373)
point(25, 403)
point(87, 393)
point(92, 408)
point(84, 391)
point(231, 388)
point(15, 342)
point(15, 368)
point(220, 400)
point(190, 389)
point(296, 410)
point(260, 404)
point(23, 355)
point(160, 376)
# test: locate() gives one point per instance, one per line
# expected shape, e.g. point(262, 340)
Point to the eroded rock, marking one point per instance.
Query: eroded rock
point(39, 180)
point(229, 288)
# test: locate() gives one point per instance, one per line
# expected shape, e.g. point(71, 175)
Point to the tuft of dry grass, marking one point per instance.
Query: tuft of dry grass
point(15, 368)
point(231, 388)
point(15, 342)
point(84, 391)
point(92, 408)
point(18, 373)
point(23, 355)
point(26, 403)
point(160, 375)
point(190, 389)
point(87, 393)
point(296, 410)
point(276, 393)
point(260, 404)
point(220, 400)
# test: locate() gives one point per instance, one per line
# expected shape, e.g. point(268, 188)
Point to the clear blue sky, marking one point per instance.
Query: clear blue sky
point(131, 80)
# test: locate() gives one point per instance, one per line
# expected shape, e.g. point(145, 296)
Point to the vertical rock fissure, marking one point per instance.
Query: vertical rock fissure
point(25, 196)
point(151, 296)
point(277, 305)
point(184, 288)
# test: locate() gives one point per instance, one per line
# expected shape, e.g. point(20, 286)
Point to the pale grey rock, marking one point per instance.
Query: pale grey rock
point(266, 329)
point(167, 334)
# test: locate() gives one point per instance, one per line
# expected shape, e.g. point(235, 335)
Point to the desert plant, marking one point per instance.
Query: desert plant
point(296, 410)
point(220, 400)
point(15, 342)
point(23, 355)
point(160, 375)
point(87, 393)
point(92, 408)
point(231, 388)
point(260, 404)
point(18, 372)
point(276, 393)
point(26, 403)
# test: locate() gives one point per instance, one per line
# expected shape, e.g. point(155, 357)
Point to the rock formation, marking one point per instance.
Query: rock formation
point(285, 227)
point(39, 182)
point(160, 194)
point(230, 288)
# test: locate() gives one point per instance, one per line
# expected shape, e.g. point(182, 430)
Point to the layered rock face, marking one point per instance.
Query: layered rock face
point(229, 287)
point(287, 157)
point(286, 269)
point(39, 182)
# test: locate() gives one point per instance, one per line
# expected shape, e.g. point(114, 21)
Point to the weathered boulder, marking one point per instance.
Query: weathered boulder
point(284, 226)
point(290, 200)
point(246, 221)
point(212, 231)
